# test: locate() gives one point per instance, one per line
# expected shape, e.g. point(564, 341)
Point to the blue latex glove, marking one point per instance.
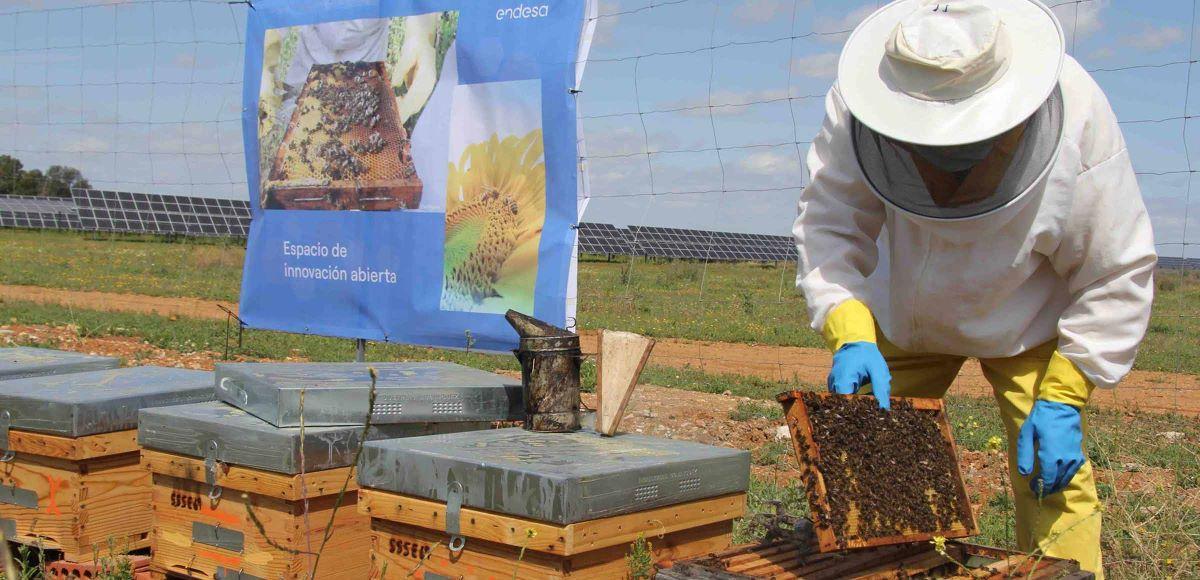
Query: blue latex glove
point(856, 364)
point(1057, 429)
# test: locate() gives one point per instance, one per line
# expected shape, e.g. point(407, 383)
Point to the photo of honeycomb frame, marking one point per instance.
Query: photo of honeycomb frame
point(339, 103)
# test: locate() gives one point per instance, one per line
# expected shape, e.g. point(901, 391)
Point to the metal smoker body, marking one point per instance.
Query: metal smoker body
point(550, 359)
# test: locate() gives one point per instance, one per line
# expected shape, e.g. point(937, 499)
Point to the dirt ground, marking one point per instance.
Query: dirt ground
point(1145, 390)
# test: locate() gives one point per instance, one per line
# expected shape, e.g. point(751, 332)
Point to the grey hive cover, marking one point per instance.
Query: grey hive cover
point(555, 477)
point(337, 393)
point(95, 402)
point(22, 361)
point(245, 440)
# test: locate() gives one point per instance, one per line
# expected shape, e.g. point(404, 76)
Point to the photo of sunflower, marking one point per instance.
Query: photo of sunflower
point(495, 209)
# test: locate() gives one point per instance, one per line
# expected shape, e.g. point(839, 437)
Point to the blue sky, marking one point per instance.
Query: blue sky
point(151, 100)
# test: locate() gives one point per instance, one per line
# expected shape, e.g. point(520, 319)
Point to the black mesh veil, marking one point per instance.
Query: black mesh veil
point(961, 181)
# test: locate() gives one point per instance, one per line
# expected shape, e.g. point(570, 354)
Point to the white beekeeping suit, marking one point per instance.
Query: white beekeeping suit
point(1015, 234)
point(330, 42)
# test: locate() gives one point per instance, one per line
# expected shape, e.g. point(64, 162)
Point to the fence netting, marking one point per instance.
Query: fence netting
point(696, 116)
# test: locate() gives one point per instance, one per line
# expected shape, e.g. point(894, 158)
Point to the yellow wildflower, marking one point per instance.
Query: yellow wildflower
point(939, 544)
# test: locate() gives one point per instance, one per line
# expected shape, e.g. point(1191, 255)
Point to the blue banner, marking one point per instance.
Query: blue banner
point(412, 167)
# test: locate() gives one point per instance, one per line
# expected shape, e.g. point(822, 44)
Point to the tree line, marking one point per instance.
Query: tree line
point(56, 181)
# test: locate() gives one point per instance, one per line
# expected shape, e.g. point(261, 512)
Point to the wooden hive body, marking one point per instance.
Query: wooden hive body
point(544, 505)
point(236, 497)
point(196, 537)
point(785, 560)
point(409, 538)
point(70, 478)
point(85, 496)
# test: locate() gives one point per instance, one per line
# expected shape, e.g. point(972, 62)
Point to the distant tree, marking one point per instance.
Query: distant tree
point(56, 182)
point(60, 179)
point(10, 173)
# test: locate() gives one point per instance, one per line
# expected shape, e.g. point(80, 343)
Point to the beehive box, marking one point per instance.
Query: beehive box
point(21, 362)
point(783, 560)
point(544, 505)
point(70, 476)
point(234, 494)
point(344, 147)
point(875, 477)
point(337, 393)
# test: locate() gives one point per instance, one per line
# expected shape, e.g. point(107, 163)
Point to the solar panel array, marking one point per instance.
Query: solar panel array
point(21, 211)
point(686, 244)
point(120, 211)
point(603, 239)
point(1173, 263)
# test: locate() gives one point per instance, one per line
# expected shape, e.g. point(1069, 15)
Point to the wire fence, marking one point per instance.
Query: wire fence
point(695, 114)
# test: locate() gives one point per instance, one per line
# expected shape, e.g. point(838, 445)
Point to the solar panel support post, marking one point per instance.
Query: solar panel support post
point(360, 350)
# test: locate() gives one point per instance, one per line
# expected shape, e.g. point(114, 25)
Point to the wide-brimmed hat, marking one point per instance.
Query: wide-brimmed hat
point(951, 72)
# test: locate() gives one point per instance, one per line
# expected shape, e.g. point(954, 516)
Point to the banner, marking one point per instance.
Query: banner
point(412, 167)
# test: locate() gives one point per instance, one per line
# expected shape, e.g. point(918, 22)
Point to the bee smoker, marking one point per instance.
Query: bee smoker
point(550, 359)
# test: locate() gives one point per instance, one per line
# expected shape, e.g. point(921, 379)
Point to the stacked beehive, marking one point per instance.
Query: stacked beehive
point(252, 485)
point(69, 469)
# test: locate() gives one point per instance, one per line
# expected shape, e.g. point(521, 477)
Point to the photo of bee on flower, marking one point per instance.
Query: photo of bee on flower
point(495, 198)
point(338, 106)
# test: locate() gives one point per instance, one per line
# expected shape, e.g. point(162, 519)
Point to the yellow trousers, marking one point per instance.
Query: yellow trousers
point(1063, 525)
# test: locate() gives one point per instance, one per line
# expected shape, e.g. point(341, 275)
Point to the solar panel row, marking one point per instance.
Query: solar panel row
point(39, 221)
point(684, 243)
point(119, 211)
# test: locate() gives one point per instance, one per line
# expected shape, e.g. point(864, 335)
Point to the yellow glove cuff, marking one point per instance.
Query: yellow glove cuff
point(1064, 383)
point(850, 321)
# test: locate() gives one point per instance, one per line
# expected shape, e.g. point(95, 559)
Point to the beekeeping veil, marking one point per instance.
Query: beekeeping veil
point(962, 114)
point(961, 181)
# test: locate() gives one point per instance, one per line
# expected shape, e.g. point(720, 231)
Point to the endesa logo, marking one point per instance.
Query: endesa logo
point(523, 11)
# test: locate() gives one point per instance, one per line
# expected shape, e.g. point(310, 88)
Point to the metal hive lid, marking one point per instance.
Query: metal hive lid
point(555, 477)
point(23, 361)
point(93, 402)
point(245, 440)
point(337, 393)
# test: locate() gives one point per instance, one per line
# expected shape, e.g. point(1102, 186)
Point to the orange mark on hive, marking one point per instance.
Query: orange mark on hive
point(54, 484)
point(220, 516)
point(221, 559)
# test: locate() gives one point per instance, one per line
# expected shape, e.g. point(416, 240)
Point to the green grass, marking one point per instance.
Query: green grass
point(771, 453)
point(741, 302)
point(190, 335)
point(746, 411)
point(210, 269)
point(760, 497)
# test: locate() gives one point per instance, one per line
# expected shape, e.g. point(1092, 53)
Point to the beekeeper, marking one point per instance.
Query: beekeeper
point(972, 196)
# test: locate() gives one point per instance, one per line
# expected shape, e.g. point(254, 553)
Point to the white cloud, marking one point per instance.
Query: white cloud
point(767, 163)
point(1080, 20)
point(184, 60)
point(823, 65)
point(698, 106)
point(619, 141)
point(761, 11)
point(846, 23)
point(1152, 38)
point(604, 30)
point(605, 25)
point(1102, 53)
